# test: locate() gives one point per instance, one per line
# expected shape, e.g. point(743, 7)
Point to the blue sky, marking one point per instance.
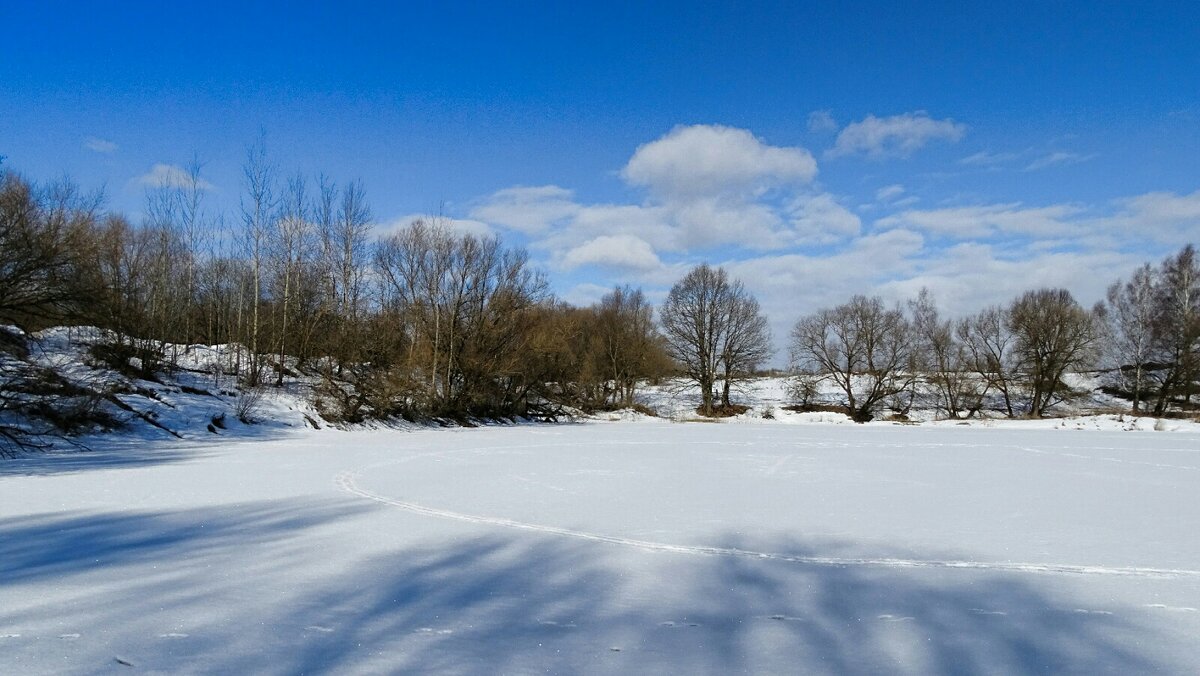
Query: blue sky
point(818, 150)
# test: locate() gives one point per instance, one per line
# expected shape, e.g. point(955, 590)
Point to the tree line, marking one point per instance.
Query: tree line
point(422, 322)
point(427, 322)
point(1015, 358)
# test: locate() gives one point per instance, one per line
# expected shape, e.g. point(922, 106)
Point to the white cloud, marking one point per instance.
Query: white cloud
point(705, 160)
point(1057, 159)
point(889, 193)
point(984, 221)
point(707, 222)
point(1164, 207)
point(705, 186)
point(984, 158)
point(970, 276)
point(616, 251)
point(527, 209)
point(649, 223)
point(896, 264)
point(461, 226)
point(895, 136)
point(1161, 216)
point(819, 219)
point(585, 294)
point(170, 176)
point(99, 145)
point(822, 121)
point(791, 285)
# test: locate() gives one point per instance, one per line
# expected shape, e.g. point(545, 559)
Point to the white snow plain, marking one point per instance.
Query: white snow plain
point(609, 547)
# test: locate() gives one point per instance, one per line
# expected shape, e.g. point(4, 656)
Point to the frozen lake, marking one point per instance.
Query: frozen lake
point(610, 548)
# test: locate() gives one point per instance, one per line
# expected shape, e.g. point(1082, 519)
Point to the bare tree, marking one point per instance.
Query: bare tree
point(1133, 331)
point(195, 231)
point(944, 359)
point(258, 213)
point(628, 342)
point(990, 351)
point(1178, 321)
point(747, 340)
point(41, 234)
point(865, 348)
point(467, 305)
point(712, 326)
point(45, 240)
point(291, 238)
point(1053, 335)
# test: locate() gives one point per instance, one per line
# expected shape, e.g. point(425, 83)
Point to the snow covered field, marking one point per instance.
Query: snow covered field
point(623, 547)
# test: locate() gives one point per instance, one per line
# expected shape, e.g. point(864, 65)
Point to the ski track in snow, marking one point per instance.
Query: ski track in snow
point(347, 481)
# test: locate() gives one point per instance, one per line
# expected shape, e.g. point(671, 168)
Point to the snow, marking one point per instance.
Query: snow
point(632, 546)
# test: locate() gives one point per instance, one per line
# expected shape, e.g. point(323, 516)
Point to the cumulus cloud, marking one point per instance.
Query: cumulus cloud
point(99, 145)
point(712, 159)
point(170, 176)
point(705, 186)
point(708, 222)
point(819, 219)
point(895, 136)
point(529, 210)
point(616, 251)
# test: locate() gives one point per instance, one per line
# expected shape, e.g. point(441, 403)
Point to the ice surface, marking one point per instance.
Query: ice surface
point(623, 547)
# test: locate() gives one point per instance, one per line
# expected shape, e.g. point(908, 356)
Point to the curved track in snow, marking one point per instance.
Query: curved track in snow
point(347, 481)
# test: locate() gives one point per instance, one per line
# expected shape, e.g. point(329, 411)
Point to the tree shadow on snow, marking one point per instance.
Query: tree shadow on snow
point(131, 449)
point(123, 455)
point(53, 546)
point(496, 606)
point(248, 587)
